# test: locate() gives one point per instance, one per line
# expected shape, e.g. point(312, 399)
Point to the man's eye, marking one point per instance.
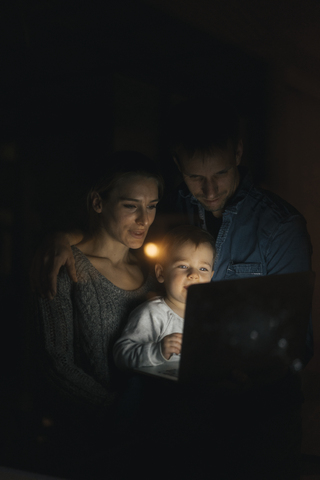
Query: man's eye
point(223, 172)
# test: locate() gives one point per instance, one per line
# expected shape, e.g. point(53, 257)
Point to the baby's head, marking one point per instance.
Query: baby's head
point(186, 257)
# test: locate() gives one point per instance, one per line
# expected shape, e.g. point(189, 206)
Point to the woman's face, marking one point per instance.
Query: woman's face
point(130, 210)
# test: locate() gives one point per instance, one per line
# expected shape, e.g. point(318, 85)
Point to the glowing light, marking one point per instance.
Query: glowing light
point(151, 250)
point(283, 343)
point(254, 335)
point(297, 364)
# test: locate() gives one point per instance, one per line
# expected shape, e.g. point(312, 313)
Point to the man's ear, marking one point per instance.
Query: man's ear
point(239, 151)
point(159, 272)
point(96, 202)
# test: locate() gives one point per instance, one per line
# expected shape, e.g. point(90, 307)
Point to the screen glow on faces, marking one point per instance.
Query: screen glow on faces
point(130, 210)
point(213, 178)
point(187, 266)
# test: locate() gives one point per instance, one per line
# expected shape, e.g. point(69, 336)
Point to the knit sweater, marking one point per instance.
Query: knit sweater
point(78, 328)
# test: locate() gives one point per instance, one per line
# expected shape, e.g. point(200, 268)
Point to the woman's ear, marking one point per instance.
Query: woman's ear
point(159, 272)
point(96, 202)
point(176, 161)
point(239, 152)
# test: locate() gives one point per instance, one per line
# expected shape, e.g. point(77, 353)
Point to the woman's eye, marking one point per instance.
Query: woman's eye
point(152, 207)
point(129, 206)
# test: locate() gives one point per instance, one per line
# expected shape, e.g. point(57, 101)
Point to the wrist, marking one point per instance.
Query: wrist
point(68, 238)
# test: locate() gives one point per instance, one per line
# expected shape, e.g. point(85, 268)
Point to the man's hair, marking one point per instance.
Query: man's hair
point(200, 125)
point(178, 236)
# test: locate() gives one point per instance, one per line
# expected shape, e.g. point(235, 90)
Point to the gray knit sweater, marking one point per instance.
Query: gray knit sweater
point(78, 329)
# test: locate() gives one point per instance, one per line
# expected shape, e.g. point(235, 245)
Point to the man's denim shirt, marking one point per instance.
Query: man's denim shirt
point(261, 234)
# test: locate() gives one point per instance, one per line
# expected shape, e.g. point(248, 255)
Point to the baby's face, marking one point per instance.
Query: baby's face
point(187, 265)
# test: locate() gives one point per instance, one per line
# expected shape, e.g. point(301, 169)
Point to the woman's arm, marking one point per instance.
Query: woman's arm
point(56, 347)
point(52, 254)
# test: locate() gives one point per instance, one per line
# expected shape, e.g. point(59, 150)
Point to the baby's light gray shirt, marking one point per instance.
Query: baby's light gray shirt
point(140, 342)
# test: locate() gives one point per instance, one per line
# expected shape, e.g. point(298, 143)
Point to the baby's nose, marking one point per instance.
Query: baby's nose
point(193, 272)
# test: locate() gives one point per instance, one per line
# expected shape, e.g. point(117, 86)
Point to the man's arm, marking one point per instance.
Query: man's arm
point(52, 254)
point(290, 251)
point(289, 248)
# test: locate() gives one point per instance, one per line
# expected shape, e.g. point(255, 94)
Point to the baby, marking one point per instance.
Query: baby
point(153, 334)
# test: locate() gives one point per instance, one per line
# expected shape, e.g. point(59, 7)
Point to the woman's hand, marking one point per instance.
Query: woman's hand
point(49, 258)
point(171, 344)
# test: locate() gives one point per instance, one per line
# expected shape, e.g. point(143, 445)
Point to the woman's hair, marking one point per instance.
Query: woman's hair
point(121, 165)
point(178, 236)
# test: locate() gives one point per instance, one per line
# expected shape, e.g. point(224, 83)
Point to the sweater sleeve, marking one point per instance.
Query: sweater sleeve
point(56, 332)
point(139, 344)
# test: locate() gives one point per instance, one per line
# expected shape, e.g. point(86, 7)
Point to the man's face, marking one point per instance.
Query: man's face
point(212, 178)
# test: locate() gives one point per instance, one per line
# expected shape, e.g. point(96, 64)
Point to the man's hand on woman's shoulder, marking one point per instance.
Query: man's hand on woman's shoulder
point(53, 253)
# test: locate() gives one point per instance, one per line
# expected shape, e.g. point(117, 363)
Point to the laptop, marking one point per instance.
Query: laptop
point(242, 332)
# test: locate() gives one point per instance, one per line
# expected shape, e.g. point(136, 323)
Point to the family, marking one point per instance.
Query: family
point(98, 310)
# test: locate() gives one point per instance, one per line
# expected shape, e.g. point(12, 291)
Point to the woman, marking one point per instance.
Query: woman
point(79, 326)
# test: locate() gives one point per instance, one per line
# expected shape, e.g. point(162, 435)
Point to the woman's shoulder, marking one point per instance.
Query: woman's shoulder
point(82, 264)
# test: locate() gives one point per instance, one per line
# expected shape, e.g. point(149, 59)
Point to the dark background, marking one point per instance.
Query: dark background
point(79, 79)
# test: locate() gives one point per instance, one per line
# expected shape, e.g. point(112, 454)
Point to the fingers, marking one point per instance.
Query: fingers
point(52, 268)
point(171, 344)
point(71, 268)
point(50, 274)
point(46, 265)
point(46, 281)
point(174, 340)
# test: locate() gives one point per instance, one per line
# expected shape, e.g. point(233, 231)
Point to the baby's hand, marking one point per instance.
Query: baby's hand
point(171, 344)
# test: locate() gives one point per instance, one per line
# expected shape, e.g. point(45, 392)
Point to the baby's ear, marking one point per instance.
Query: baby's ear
point(159, 272)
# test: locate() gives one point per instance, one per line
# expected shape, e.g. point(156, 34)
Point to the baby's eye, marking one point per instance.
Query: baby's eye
point(204, 269)
point(182, 266)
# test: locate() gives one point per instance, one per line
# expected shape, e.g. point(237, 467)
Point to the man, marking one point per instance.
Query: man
point(257, 233)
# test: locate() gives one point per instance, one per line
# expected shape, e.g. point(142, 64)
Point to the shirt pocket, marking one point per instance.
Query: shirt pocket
point(244, 269)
